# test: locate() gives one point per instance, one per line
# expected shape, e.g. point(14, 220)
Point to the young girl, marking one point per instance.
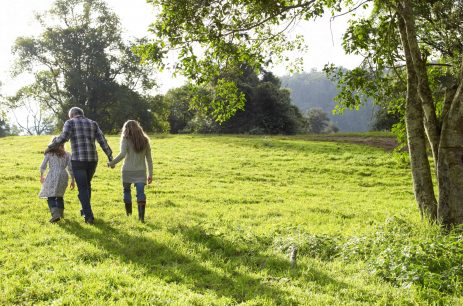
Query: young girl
point(136, 150)
point(54, 185)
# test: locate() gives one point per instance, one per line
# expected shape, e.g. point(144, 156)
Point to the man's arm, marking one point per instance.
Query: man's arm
point(103, 143)
point(63, 137)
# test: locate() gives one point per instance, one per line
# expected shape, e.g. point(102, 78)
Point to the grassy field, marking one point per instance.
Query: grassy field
point(222, 214)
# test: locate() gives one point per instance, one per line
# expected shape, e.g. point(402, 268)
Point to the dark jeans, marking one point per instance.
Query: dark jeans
point(140, 187)
point(55, 202)
point(83, 174)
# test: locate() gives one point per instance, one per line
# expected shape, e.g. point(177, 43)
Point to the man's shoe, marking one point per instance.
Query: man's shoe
point(90, 220)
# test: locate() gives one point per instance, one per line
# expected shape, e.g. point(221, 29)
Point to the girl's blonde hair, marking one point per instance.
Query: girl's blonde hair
point(132, 130)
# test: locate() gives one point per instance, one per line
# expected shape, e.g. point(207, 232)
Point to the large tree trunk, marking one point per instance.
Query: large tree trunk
point(424, 90)
point(422, 181)
point(448, 150)
point(450, 163)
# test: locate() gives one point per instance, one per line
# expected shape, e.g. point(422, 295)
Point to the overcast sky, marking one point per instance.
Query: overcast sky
point(17, 19)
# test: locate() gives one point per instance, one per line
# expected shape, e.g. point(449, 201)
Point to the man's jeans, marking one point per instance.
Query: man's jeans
point(83, 174)
point(140, 187)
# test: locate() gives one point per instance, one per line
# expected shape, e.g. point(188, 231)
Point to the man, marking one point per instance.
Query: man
point(83, 132)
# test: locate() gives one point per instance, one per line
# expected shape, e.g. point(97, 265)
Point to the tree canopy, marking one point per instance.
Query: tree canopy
point(81, 60)
point(268, 108)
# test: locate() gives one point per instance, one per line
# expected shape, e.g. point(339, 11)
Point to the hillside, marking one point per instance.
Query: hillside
point(223, 214)
point(314, 89)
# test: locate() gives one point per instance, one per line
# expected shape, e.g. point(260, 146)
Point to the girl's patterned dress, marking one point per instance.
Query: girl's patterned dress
point(57, 178)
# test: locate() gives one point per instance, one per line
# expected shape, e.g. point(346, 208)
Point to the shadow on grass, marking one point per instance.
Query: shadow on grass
point(161, 260)
point(276, 270)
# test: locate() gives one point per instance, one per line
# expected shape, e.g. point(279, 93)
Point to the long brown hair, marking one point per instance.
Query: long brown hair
point(58, 151)
point(132, 130)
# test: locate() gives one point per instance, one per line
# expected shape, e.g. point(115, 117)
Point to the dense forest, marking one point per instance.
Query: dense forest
point(314, 90)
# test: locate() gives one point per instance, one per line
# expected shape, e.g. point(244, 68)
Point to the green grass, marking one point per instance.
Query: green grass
point(221, 214)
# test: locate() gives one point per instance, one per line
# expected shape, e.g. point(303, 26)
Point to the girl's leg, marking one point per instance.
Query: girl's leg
point(53, 206)
point(60, 205)
point(51, 203)
point(141, 199)
point(140, 192)
point(127, 198)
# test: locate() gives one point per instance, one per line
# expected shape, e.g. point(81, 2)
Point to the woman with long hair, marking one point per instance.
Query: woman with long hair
point(135, 148)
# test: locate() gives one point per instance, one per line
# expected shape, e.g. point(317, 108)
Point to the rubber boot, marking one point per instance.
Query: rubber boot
point(128, 208)
point(61, 212)
point(141, 210)
point(55, 216)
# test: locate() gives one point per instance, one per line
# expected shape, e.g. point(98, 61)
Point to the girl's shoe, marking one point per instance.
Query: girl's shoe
point(54, 219)
point(141, 210)
point(61, 212)
point(55, 215)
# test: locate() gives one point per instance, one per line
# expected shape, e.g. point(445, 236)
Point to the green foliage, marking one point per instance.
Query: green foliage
point(268, 108)
point(210, 38)
point(318, 122)
point(159, 108)
point(384, 120)
point(405, 254)
point(398, 252)
point(226, 100)
point(178, 103)
point(382, 76)
point(80, 59)
point(4, 128)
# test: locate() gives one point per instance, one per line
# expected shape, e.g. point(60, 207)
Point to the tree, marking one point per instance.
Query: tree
point(318, 122)
point(34, 118)
point(426, 60)
point(384, 120)
point(401, 37)
point(268, 108)
point(4, 128)
point(178, 101)
point(81, 60)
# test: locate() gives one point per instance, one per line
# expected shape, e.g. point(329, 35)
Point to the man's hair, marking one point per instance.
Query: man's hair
point(75, 111)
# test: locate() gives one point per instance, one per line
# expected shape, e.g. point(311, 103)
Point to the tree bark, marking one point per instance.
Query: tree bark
point(421, 172)
point(424, 90)
point(450, 162)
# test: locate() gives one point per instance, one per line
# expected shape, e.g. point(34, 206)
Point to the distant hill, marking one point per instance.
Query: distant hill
point(314, 89)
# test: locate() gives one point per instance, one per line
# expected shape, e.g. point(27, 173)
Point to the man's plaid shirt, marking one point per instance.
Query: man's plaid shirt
point(83, 132)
